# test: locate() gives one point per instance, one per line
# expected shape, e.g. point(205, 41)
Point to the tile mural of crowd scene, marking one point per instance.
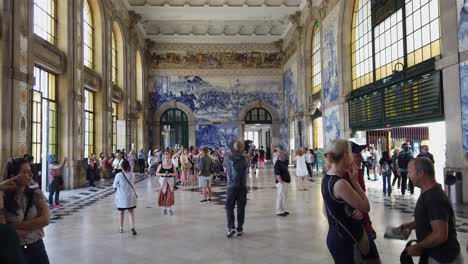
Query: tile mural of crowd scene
point(332, 124)
point(216, 98)
point(213, 136)
point(215, 60)
point(464, 102)
point(284, 136)
point(290, 90)
point(462, 6)
point(330, 57)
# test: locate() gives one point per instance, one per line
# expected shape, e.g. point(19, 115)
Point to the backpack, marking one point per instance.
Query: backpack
point(385, 167)
point(403, 160)
point(84, 164)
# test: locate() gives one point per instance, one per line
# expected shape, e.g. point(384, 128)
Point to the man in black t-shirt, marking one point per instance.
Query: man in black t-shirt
point(434, 220)
point(282, 180)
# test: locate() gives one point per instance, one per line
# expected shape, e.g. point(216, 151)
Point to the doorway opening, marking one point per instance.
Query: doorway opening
point(258, 125)
point(174, 128)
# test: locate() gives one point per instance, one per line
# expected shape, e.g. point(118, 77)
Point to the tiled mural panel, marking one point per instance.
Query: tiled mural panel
point(219, 98)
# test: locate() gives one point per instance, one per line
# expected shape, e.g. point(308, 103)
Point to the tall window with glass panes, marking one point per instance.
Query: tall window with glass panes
point(89, 118)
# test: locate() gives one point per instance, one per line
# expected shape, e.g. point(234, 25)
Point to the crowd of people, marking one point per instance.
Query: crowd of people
point(24, 210)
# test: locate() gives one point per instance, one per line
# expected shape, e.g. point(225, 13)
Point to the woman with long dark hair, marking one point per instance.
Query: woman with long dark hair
point(27, 209)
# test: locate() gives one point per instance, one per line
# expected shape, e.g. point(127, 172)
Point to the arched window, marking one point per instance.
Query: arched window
point(258, 116)
point(403, 35)
point(114, 59)
point(44, 19)
point(316, 64)
point(88, 36)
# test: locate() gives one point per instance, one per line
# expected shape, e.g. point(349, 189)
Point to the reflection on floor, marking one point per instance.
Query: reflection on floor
point(85, 229)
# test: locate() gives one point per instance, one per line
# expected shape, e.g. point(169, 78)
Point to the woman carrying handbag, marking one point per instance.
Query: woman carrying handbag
point(126, 196)
point(342, 202)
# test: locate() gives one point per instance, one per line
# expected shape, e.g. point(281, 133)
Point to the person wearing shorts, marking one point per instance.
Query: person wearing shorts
point(205, 175)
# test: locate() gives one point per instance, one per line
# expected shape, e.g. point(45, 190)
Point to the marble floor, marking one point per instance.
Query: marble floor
point(86, 229)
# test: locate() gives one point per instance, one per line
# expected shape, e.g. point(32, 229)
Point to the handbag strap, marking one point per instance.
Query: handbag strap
point(338, 222)
point(125, 177)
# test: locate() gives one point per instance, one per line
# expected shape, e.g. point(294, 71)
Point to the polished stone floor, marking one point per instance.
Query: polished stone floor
point(85, 230)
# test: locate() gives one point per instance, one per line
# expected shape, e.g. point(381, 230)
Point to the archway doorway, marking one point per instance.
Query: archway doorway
point(174, 128)
point(258, 125)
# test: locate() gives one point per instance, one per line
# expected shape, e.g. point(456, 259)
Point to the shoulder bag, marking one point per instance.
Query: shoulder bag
point(125, 177)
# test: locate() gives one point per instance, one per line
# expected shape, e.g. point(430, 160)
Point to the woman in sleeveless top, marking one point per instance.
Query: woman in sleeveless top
point(301, 170)
point(166, 172)
point(344, 204)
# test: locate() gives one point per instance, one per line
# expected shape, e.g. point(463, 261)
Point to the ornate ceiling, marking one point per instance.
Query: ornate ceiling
point(216, 21)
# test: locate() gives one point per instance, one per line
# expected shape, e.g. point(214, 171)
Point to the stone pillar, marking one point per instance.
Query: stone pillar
point(449, 64)
point(70, 94)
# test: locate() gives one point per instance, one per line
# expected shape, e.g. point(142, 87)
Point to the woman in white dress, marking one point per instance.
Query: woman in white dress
point(125, 198)
point(301, 170)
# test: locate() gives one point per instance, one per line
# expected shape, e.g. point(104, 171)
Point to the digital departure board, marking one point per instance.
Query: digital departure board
point(416, 100)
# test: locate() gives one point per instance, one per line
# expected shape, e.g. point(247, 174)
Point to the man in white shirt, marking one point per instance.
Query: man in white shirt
point(365, 164)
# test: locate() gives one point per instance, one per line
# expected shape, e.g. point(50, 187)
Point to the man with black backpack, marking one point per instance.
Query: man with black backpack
point(236, 167)
point(404, 158)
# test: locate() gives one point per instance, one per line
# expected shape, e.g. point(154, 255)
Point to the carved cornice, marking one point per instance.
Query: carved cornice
point(133, 18)
point(326, 7)
point(218, 72)
point(260, 47)
point(117, 93)
point(295, 18)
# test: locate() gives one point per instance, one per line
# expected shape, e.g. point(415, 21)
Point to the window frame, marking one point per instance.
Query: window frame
point(316, 59)
point(387, 70)
point(49, 35)
point(88, 29)
point(89, 132)
point(46, 88)
point(115, 57)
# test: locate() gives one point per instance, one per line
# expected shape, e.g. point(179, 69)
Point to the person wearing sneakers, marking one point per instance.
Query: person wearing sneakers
point(55, 179)
point(236, 167)
point(282, 180)
point(125, 198)
point(205, 175)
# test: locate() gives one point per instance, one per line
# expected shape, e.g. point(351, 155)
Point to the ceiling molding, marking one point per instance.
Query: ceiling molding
point(220, 47)
point(215, 3)
point(275, 73)
point(218, 21)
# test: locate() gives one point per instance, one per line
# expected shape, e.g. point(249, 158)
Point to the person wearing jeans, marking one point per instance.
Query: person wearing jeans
point(282, 180)
point(236, 167)
point(55, 179)
point(404, 157)
point(385, 169)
